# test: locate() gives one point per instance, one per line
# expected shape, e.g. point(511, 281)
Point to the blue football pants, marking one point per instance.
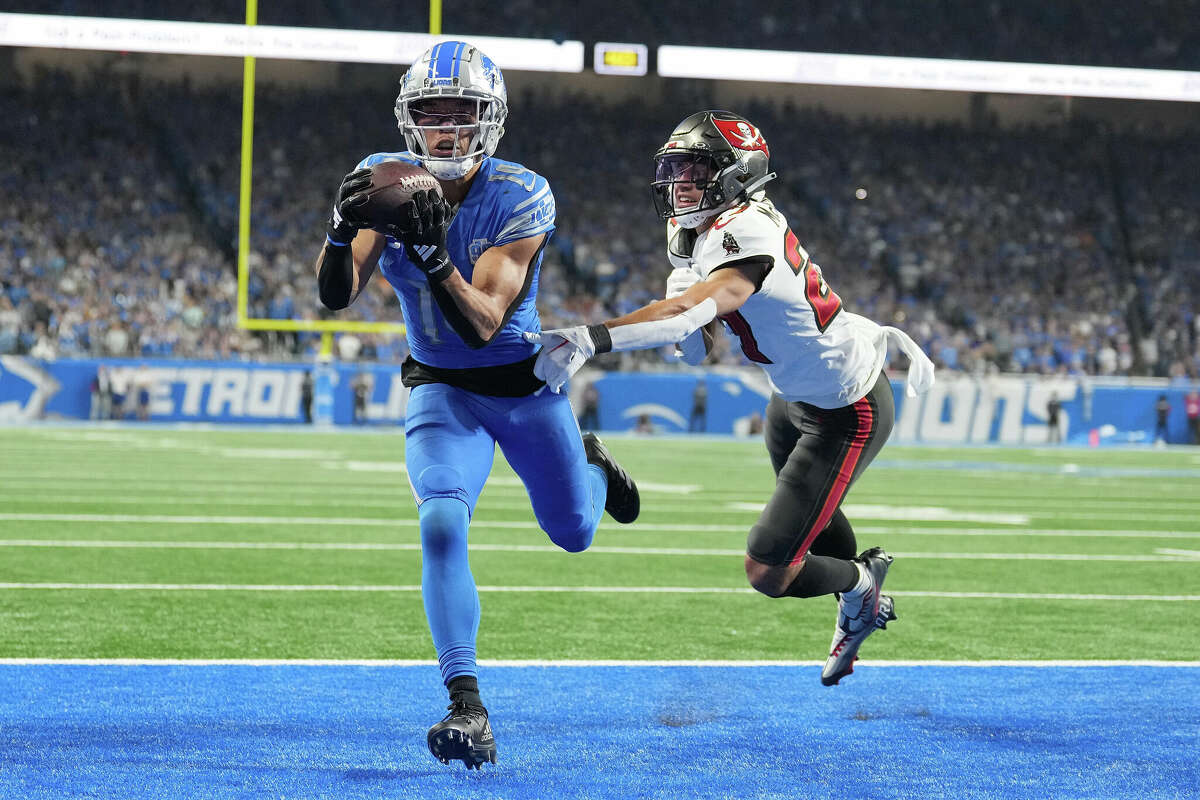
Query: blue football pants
point(450, 441)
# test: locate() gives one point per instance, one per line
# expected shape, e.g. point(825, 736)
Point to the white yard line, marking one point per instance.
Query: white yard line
point(1170, 551)
point(229, 587)
point(1161, 554)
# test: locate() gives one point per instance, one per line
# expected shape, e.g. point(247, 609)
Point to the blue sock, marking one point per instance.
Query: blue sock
point(447, 586)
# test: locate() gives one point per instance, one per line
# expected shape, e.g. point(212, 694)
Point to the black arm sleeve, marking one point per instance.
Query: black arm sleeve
point(462, 326)
point(453, 314)
point(755, 268)
point(335, 277)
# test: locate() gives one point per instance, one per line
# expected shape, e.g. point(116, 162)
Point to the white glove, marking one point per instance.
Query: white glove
point(680, 280)
point(564, 351)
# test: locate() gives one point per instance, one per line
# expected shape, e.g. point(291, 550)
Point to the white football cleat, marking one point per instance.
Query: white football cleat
point(859, 615)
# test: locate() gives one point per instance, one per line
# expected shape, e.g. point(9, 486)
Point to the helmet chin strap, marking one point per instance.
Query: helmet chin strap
point(697, 218)
point(449, 169)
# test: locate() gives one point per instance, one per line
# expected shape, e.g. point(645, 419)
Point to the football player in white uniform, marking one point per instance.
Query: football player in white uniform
point(736, 260)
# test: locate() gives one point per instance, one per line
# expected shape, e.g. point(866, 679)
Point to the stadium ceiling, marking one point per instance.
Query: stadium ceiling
point(545, 55)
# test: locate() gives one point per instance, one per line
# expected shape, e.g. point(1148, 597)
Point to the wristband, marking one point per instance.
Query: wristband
point(601, 338)
point(441, 271)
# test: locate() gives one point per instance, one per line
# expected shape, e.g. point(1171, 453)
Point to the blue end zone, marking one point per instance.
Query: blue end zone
point(602, 732)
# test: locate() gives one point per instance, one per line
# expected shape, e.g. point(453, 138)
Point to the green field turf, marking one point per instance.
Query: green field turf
point(1000, 553)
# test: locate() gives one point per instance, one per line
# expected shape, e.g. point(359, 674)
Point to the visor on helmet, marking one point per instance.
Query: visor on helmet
point(684, 185)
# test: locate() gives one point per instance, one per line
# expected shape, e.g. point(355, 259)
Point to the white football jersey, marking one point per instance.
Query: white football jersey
point(794, 326)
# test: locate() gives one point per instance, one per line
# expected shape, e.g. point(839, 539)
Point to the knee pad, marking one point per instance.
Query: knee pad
point(440, 480)
point(572, 533)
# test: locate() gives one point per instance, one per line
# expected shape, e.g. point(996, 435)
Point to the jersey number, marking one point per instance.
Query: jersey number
point(824, 301)
point(426, 320)
point(518, 175)
point(741, 329)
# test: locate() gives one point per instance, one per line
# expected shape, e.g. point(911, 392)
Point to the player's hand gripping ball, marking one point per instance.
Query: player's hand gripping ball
point(389, 197)
point(405, 202)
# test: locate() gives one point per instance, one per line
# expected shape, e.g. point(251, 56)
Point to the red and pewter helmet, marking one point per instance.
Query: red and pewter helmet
point(733, 159)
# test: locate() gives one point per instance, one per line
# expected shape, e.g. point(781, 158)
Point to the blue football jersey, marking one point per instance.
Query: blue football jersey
point(506, 203)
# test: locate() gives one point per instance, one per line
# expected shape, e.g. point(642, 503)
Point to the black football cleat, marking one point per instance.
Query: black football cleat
point(623, 501)
point(464, 735)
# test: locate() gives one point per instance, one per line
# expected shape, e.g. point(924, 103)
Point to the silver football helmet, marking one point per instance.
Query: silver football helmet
point(713, 160)
point(455, 70)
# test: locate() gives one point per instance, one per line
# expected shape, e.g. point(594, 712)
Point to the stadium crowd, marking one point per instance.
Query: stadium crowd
point(1160, 34)
point(1066, 249)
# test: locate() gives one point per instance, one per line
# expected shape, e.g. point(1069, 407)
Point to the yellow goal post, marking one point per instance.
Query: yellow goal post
point(327, 327)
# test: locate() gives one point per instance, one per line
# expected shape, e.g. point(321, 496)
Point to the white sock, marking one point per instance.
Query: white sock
point(863, 583)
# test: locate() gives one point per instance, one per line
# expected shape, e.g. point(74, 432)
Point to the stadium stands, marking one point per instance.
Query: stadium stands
point(1052, 249)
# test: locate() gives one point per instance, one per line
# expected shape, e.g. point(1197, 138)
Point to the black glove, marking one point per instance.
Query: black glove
point(346, 220)
point(421, 226)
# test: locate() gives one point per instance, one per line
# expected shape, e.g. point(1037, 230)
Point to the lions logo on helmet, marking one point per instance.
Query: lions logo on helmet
point(455, 71)
point(716, 152)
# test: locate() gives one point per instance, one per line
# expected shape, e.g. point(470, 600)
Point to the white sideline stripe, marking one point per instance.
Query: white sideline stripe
point(366, 522)
point(917, 513)
point(1084, 533)
point(400, 466)
point(1177, 556)
point(899, 515)
point(541, 663)
point(1163, 555)
point(225, 587)
point(197, 496)
point(1173, 598)
point(388, 546)
point(166, 519)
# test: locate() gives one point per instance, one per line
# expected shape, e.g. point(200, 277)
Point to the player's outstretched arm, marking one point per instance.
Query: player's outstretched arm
point(728, 288)
point(349, 254)
point(660, 323)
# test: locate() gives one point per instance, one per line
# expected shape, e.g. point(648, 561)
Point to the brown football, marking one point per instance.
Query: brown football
point(392, 185)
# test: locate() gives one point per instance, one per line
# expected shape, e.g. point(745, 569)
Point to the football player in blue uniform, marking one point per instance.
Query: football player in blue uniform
point(465, 267)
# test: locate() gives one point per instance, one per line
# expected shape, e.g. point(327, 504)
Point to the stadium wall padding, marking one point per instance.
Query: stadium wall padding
point(958, 410)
